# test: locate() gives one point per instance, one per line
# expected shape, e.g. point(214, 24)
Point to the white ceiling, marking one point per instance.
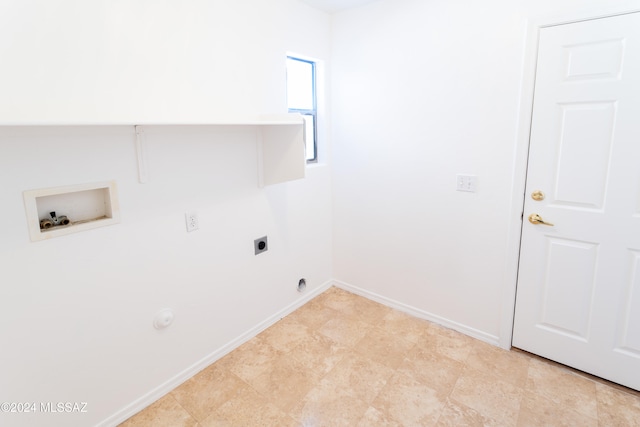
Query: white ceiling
point(332, 6)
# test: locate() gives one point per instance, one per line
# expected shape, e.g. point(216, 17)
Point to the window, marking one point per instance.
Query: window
point(301, 98)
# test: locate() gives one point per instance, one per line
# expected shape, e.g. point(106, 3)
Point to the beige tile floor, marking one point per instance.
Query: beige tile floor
point(343, 360)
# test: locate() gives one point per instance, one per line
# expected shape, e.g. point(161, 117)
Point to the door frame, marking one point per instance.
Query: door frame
point(521, 154)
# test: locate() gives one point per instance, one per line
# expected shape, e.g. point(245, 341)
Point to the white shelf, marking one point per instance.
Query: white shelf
point(232, 120)
point(281, 143)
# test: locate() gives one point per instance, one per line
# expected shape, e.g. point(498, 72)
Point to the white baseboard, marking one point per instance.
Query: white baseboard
point(155, 394)
point(421, 314)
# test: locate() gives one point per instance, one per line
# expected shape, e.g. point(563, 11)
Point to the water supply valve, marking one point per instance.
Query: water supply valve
point(54, 221)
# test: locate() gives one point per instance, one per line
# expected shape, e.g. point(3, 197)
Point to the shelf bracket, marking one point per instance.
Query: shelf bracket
point(141, 151)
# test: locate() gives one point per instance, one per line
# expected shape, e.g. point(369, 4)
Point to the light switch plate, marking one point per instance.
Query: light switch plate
point(467, 183)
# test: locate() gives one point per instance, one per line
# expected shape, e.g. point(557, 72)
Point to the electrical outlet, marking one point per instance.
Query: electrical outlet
point(191, 219)
point(261, 245)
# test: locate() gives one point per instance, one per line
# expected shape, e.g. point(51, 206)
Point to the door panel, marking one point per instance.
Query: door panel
point(595, 60)
point(585, 144)
point(578, 297)
point(570, 275)
point(629, 341)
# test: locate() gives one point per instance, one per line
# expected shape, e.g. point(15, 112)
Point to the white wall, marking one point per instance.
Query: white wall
point(77, 310)
point(424, 90)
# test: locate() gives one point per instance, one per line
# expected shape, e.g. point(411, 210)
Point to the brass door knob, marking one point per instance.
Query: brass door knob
point(536, 219)
point(537, 195)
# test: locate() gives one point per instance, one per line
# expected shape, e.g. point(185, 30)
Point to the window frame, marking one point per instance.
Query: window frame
point(309, 112)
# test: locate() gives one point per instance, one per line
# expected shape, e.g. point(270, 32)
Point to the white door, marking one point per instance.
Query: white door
point(578, 296)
